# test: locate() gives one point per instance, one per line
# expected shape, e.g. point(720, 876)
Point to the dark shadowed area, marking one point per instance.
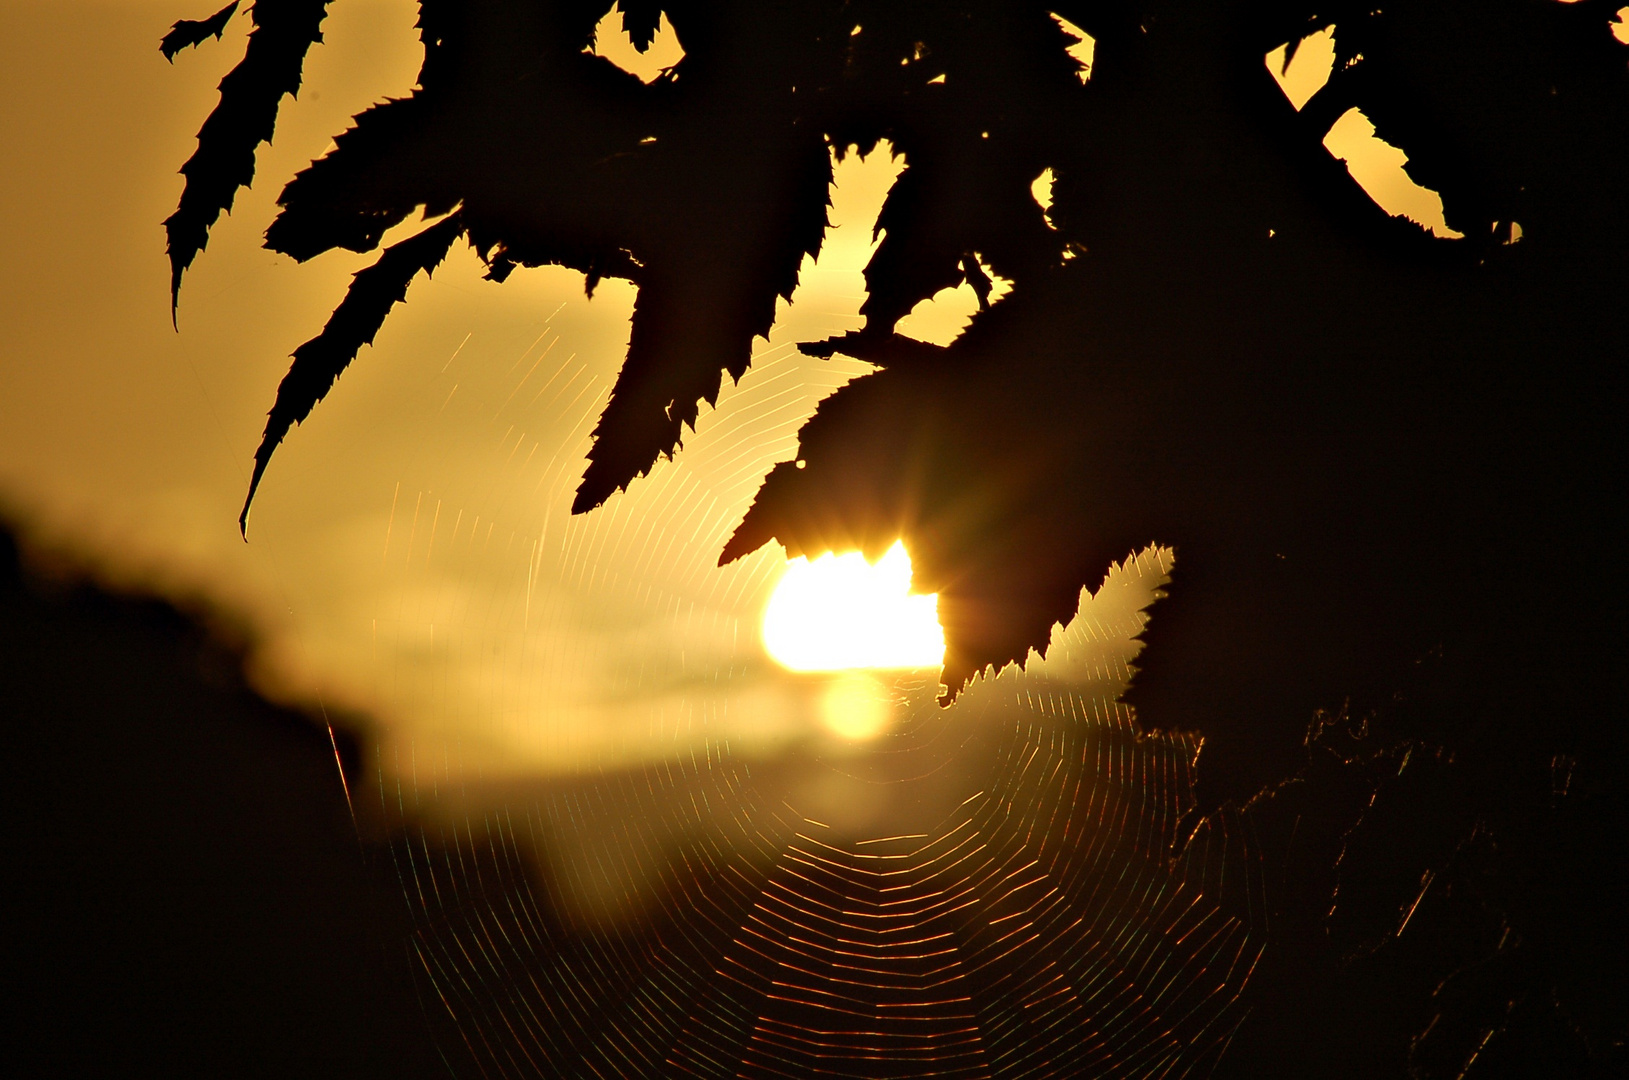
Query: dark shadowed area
point(193, 893)
point(186, 891)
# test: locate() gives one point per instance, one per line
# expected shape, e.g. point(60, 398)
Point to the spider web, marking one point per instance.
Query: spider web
point(1052, 923)
point(631, 845)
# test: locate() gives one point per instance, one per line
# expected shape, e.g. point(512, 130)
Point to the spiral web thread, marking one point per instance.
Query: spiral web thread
point(1053, 924)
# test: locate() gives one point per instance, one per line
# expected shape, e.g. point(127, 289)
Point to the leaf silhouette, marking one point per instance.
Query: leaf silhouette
point(245, 118)
point(707, 286)
point(189, 32)
point(319, 363)
point(379, 172)
point(943, 448)
point(640, 21)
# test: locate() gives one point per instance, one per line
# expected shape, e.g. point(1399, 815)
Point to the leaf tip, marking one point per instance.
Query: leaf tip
point(586, 499)
point(263, 455)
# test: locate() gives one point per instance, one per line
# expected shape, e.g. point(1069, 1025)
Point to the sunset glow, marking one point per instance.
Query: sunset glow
point(840, 612)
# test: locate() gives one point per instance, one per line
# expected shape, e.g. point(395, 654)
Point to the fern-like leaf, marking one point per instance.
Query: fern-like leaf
point(319, 363)
point(245, 117)
point(712, 272)
point(378, 173)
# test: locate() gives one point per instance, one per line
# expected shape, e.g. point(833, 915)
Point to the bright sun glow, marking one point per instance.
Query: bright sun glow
point(856, 706)
point(841, 612)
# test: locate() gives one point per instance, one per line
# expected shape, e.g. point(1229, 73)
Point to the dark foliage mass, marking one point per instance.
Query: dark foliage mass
point(1391, 463)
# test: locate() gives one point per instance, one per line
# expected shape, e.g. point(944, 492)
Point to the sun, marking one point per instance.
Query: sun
point(841, 613)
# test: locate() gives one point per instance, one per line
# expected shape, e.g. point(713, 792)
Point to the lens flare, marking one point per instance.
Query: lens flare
point(856, 706)
point(840, 612)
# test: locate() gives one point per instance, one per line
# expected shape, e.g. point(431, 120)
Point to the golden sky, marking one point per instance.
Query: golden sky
point(411, 553)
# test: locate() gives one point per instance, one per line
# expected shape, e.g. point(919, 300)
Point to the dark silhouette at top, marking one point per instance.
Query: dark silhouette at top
point(1391, 464)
